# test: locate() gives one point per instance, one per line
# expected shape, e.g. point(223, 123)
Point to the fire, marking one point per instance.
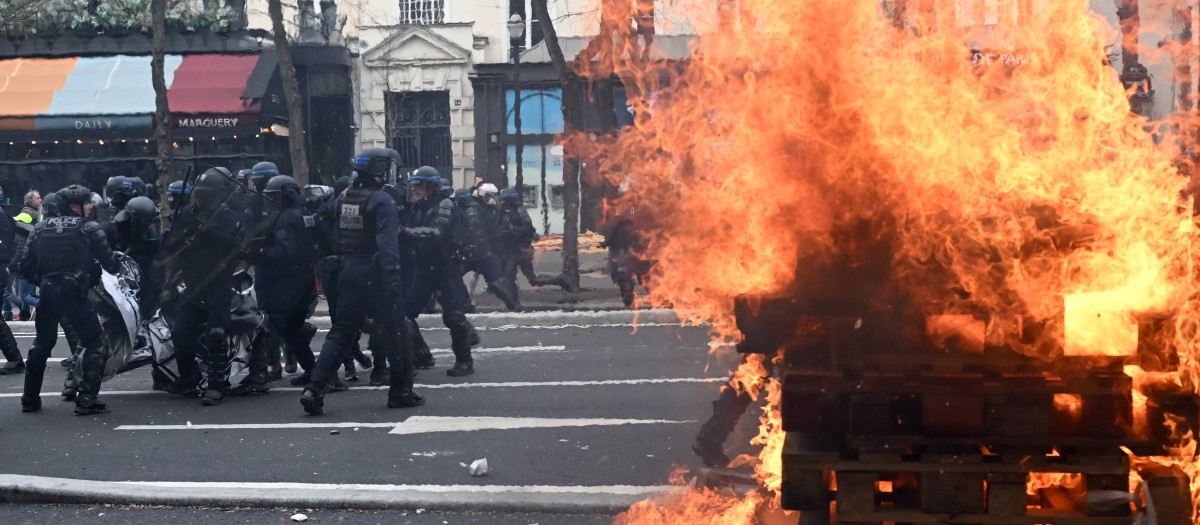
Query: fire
point(862, 135)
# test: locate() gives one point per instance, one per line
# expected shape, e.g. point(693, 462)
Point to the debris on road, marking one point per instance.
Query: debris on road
point(334, 432)
point(479, 467)
point(299, 517)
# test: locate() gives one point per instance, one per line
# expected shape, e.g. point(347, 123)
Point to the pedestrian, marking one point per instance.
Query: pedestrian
point(204, 247)
point(24, 297)
point(63, 255)
point(431, 229)
point(365, 239)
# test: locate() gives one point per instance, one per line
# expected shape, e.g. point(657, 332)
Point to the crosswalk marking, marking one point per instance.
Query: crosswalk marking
point(510, 384)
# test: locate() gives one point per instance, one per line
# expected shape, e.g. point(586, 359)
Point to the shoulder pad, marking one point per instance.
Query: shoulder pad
point(91, 227)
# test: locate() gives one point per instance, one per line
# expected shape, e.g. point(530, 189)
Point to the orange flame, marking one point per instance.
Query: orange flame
point(1018, 187)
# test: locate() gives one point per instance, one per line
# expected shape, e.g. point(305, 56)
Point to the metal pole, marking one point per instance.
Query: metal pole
point(516, 52)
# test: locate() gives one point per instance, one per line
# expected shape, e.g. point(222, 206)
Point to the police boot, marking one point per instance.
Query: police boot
point(351, 372)
point(8, 346)
point(302, 379)
point(218, 367)
point(379, 374)
point(290, 367)
point(462, 334)
point(404, 398)
point(31, 398)
point(401, 394)
point(313, 401)
point(422, 355)
point(70, 386)
point(255, 384)
point(88, 404)
point(90, 371)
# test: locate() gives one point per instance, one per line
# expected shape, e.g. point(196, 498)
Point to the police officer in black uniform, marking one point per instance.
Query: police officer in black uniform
point(62, 254)
point(430, 229)
point(205, 245)
point(475, 247)
point(134, 232)
point(284, 273)
point(366, 241)
point(514, 241)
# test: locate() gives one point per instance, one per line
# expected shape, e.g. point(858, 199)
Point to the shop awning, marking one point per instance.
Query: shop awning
point(115, 92)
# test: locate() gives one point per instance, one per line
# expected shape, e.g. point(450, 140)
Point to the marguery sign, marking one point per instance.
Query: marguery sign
point(192, 122)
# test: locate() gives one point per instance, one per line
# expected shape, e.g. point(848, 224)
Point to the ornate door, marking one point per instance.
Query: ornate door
point(418, 125)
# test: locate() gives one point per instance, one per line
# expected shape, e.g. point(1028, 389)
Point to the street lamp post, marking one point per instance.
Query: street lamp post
point(516, 31)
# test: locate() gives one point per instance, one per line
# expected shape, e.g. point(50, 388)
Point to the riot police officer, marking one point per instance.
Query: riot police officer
point(475, 247)
point(284, 275)
point(514, 241)
point(366, 241)
point(204, 246)
point(431, 228)
point(62, 254)
point(134, 232)
point(177, 195)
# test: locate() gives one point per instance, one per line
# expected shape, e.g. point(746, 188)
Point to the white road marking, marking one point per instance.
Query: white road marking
point(513, 384)
point(484, 489)
point(431, 424)
point(426, 424)
point(447, 351)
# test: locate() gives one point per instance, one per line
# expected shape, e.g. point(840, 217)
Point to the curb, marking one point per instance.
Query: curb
point(20, 489)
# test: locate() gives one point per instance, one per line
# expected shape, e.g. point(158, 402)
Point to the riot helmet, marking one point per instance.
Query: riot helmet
point(510, 199)
point(243, 177)
point(427, 179)
point(75, 194)
point(52, 205)
point(177, 195)
point(113, 187)
point(211, 188)
point(261, 173)
point(136, 186)
point(139, 213)
point(378, 164)
point(462, 194)
point(285, 190)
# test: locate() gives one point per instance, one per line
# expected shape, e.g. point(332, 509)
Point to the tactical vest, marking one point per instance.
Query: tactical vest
point(356, 229)
point(62, 247)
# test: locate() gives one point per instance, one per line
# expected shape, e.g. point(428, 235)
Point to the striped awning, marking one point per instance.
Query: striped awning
point(115, 92)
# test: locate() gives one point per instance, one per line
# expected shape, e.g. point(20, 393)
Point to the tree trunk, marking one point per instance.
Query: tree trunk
point(573, 117)
point(291, 93)
point(164, 161)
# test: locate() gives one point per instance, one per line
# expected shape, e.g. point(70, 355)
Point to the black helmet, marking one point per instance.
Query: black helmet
point(510, 197)
point(52, 205)
point(376, 162)
point(136, 186)
point(177, 195)
point(261, 173)
point(243, 177)
point(139, 208)
point(341, 184)
point(113, 186)
point(280, 183)
point(211, 188)
point(463, 193)
point(74, 194)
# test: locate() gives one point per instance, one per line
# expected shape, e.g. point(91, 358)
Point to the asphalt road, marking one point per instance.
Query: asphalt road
point(578, 407)
point(100, 515)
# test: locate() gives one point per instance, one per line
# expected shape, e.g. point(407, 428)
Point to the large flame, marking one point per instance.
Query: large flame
point(1013, 186)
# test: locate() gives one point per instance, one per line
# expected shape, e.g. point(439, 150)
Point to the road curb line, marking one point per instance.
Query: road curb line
point(21, 489)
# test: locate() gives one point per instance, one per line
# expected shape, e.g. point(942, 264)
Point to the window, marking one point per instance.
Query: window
point(418, 126)
point(422, 12)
